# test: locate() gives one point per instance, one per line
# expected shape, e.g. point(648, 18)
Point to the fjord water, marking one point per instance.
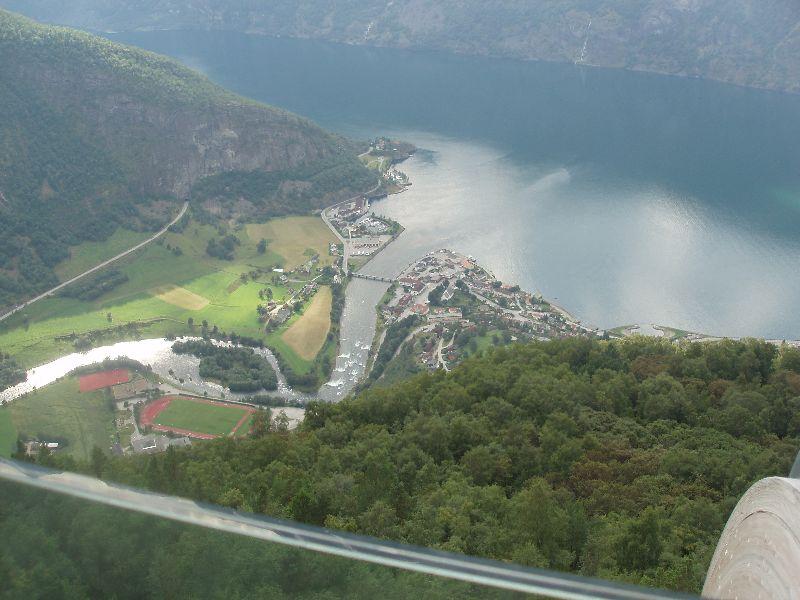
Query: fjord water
point(628, 197)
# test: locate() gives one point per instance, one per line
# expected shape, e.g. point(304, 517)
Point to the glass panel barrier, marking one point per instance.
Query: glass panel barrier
point(71, 536)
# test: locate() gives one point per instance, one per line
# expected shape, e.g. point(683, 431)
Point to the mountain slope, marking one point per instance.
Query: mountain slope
point(94, 135)
point(620, 460)
point(747, 42)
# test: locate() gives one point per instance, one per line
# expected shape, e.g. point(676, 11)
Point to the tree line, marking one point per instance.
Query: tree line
point(614, 459)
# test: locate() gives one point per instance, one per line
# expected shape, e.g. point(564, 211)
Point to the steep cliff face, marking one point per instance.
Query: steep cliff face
point(95, 135)
point(165, 126)
point(748, 42)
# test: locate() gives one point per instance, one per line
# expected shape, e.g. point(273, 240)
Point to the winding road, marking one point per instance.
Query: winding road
point(96, 268)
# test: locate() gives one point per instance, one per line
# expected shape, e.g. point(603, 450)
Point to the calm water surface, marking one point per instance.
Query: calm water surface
point(629, 198)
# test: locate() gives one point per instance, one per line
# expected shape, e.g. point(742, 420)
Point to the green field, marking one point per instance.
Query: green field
point(378, 163)
point(296, 239)
point(42, 331)
point(89, 254)
point(60, 412)
point(183, 413)
point(8, 433)
point(307, 335)
point(276, 342)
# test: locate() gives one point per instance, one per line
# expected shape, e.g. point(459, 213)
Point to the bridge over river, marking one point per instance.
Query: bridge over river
point(372, 277)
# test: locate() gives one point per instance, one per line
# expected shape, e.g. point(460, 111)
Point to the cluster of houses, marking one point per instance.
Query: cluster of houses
point(427, 289)
point(34, 447)
point(152, 443)
point(362, 232)
point(274, 313)
point(345, 214)
point(368, 225)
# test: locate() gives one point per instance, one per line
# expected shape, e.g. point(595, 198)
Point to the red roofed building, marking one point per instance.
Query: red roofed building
point(420, 309)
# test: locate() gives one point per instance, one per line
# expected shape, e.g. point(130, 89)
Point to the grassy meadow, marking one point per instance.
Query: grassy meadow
point(296, 239)
point(166, 288)
point(307, 335)
point(59, 412)
point(89, 254)
point(302, 342)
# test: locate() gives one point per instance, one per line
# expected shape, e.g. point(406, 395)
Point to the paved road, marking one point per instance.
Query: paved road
point(96, 268)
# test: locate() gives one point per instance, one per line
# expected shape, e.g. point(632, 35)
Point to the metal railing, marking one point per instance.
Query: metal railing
point(493, 574)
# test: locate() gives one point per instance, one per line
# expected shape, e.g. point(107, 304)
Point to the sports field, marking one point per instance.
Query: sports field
point(195, 417)
point(104, 379)
point(295, 239)
point(307, 335)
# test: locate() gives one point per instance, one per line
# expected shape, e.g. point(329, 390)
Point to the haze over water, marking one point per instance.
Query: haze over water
point(631, 198)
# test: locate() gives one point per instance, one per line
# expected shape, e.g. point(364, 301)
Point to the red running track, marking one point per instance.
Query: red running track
point(151, 411)
point(104, 379)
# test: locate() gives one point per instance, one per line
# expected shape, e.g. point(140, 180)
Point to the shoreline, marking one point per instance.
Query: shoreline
point(667, 332)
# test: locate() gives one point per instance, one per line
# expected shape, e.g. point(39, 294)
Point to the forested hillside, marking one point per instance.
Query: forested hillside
point(616, 459)
point(748, 42)
point(95, 135)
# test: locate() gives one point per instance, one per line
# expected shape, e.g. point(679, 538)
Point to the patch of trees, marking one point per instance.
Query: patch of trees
point(10, 372)
point(305, 382)
point(435, 295)
point(395, 335)
point(239, 369)
point(93, 288)
point(58, 187)
point(223, 248)
point(614, 459)
point(110, 364)
point(275, 402)
point(291, 191)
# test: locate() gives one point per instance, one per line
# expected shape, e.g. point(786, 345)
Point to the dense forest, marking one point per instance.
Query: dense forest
point(239, 369)
point(66, 548)
point(616, 459)
point(747, 42)
point(10, 372)
point(395, 336)
point(70, 173)
point(259, 195)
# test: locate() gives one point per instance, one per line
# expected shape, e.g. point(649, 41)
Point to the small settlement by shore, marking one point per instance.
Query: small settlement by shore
point(460, 308)
point(362, 233)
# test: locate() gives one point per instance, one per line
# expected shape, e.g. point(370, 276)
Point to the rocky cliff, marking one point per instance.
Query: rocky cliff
point(165, 125)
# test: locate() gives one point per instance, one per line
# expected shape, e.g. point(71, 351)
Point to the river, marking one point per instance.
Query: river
point(181, 372)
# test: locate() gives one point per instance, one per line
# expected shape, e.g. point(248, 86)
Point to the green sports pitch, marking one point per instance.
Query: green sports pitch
point(195, 416)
